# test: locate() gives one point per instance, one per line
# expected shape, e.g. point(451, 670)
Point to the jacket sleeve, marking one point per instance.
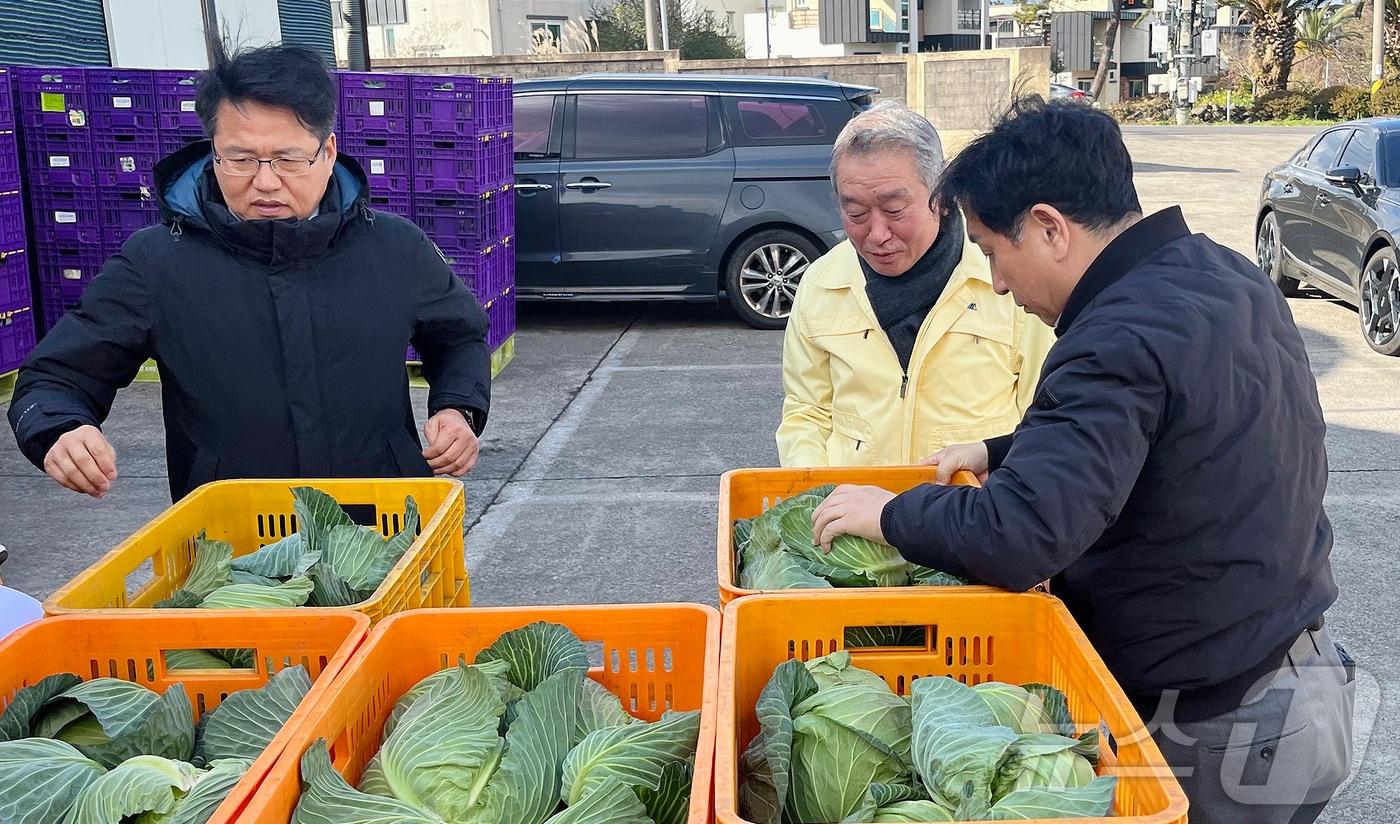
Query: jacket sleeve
point(806, 423)
point(1033, 342)
point(1075, 460)
point(449, 333)
point(73, 375)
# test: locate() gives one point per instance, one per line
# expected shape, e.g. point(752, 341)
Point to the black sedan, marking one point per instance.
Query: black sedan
point(1330, 217)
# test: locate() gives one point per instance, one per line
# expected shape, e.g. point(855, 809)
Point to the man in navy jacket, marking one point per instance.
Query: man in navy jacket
point(1168, 478)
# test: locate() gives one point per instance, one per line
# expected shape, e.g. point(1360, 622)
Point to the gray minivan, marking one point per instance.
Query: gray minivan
point(676, 187)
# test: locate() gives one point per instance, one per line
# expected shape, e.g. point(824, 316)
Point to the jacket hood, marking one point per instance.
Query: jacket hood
point(189, 196)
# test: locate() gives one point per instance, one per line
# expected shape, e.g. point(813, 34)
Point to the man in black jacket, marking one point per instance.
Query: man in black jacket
point(1168, 478)
point(276, 304)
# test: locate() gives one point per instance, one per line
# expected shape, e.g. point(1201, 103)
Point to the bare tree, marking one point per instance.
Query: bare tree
point(1110, 39)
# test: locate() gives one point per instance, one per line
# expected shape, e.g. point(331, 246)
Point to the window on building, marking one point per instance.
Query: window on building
point(548, 32)
point(616, 126)
point(970, 15)
point(877, 20)
point(1085, 86)
point(1137, 88)
point(377, 12)
point(904, 15)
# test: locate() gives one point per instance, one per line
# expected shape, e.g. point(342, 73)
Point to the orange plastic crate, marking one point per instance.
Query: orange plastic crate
point(746, 493)
point(971, 636)
point(252, 514)
point(132, 646)
point(655, 657)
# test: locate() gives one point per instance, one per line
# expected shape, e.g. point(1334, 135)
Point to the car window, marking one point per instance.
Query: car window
point(767, 121)
point(616, 126)
point(1324, 154)
point(1360, 152)
point(762, 119)
point(534, 118)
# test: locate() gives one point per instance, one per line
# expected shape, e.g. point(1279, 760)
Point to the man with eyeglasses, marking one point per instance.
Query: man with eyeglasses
point(277, 305)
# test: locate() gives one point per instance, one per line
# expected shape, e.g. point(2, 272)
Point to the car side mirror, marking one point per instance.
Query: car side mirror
point(1345, 177)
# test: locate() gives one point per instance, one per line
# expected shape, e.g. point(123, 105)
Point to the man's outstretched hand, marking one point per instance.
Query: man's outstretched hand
point(84, 461)
point(850, 510)
point(950, 460)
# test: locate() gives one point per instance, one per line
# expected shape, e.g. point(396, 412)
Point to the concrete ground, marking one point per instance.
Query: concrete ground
point(608, 434)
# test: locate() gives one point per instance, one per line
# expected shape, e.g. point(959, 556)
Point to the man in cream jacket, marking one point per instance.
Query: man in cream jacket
point(897, 344)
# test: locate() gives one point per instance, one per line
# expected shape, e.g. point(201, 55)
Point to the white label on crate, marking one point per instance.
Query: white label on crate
point(77, 119)
point(121, 102)
point(376, 108)
point(376, 167)
point(65, 217)
point(59, 162)
point(73, 274)
point(186, 105)
point(128, 164)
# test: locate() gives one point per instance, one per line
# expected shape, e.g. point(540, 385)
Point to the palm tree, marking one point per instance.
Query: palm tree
point(1321, 31)
point(1273, 36)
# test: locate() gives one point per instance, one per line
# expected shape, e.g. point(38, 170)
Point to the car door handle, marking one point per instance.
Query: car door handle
point(588, 185)
point(533, 187)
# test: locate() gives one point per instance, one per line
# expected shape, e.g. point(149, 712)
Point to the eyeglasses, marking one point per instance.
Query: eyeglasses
point(281, 166)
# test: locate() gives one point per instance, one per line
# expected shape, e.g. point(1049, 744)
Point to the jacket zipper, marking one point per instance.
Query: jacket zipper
point(903, 385)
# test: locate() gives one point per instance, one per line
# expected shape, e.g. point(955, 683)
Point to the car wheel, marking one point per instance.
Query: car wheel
point(763, 274)
point(1268, 249)
point(1380, 302)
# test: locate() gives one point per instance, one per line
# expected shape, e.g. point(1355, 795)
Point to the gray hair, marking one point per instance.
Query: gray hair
point(891, 125)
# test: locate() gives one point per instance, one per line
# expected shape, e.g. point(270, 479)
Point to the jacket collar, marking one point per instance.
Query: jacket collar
point(972, 266)
point(189, 195)
point(1123, 254)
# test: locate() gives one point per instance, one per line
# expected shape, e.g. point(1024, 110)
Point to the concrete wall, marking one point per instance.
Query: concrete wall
point(536, 65)
point(888, 73)
point(960, 92)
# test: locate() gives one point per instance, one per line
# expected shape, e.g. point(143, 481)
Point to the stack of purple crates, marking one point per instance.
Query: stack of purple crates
point(56, 128)
point(437, 150)
point(17, 330)
point(462, 175)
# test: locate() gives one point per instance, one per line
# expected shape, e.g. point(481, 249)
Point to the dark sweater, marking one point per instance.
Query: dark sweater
point(902, 303)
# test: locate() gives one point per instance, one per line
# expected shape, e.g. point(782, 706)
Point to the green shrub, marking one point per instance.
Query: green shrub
point(1324, 102)
point(1351, 103)
point(1386, 101)
point(1154, 109)
point(1219, 98)
point(1285, 105)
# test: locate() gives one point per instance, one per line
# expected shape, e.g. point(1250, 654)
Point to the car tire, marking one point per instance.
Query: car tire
point(763, 273)
point(1378, 302)
point(1268, 251)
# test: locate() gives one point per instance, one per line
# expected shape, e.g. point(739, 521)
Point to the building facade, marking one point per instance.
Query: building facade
point(467, 28)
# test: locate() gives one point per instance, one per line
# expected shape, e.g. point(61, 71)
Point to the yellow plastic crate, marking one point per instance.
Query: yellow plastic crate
point(150, 565)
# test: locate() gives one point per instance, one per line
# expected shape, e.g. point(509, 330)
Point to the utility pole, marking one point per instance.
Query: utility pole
point(768, 28)
point(665, 28)
point(649, 9)
point(211, 29)
point(914, 37)
point(986, 14)
point(1377, 40)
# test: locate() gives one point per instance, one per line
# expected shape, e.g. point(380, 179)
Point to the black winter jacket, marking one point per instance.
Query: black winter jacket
point(1168, 477)
point(280, 343)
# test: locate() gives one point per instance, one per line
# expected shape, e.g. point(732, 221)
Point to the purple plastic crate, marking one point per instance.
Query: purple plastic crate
point(401, 204)
point(175, 93)
point(412, 356)
point(460, 166)
point(126, 159)
point(462, 225)
point(9, 161)
point(7, 101)
point(450, 106)
point(501, 315)
point(59, 157)
point(52, 98)
point(17, 336)
point(172, 142)
point(11, 222)
point(122, 99)
point(66, 269)
point(387, 161)
point(488, 273)
point(373, 103)
point(14, 279)
point(65, 216)
point(124, 213)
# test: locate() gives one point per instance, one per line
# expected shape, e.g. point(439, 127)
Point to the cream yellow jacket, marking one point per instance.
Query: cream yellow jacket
point(846, 400)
